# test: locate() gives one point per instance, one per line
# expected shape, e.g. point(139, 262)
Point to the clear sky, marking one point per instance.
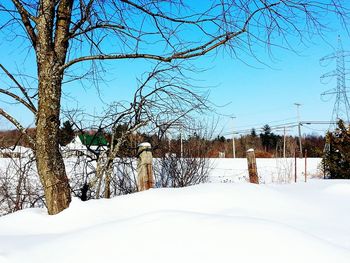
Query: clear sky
point(256, 94)
point(266, 94)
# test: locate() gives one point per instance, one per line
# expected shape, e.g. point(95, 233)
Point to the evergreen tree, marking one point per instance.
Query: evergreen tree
point(66, 133)
point(253, 133)
point(337, 157)
point(269, 140)
point(266, 137)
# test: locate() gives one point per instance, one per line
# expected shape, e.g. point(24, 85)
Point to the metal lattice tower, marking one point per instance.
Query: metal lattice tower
point(341, 109)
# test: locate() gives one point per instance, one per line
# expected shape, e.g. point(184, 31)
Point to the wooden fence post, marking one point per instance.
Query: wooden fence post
point(145, 178)
point(252, 170)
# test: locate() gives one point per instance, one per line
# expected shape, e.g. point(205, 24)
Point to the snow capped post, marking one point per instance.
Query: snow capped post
point(252, 170)
point(145, 178)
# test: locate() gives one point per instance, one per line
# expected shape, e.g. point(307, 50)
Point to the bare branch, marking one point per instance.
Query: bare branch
point(186, 54)
point(97, 26)
point(18, 126)
point(63, 19)
point(19, 99)
point(172, 19)
point(85, 12)
point(23, 90)
point(26, 18)
point(190, 53)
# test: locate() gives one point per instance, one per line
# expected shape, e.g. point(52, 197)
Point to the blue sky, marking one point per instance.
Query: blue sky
point(257, 94)
point(267, 94)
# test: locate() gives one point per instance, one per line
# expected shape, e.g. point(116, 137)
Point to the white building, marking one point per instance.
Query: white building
point(85, 144)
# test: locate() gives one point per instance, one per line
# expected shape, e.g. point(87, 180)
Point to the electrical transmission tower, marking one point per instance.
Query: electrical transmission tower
point(341, 109)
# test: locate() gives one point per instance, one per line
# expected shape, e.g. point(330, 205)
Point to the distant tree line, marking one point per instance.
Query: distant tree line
point(266, 144)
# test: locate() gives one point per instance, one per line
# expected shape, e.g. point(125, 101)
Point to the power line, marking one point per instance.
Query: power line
point(341, 109)
point(281, 127)
point(263, 123)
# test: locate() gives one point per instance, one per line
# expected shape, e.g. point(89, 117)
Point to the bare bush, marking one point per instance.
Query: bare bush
point(174, 171)
point(81, 170)
point(124, 179)
point(86, 183)
point(19, 185)
point(186, 163)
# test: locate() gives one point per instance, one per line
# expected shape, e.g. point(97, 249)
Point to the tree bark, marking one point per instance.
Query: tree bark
point(109, 171)
point(49, 160)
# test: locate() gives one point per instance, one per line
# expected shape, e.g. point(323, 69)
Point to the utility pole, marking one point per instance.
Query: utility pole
point(233, 140)
point(299, 130)
point(169, 142)
point(284, 142)
point(181, 144)
point(179, 125)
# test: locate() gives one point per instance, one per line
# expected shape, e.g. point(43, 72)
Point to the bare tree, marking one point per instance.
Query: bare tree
point(162, 98)
point(64, 33)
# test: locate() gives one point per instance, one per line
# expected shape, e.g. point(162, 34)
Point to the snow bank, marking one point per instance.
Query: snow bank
point(303, 222)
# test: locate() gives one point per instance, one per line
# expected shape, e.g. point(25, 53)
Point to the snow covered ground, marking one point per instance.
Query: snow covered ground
point(217, 222)
point(270, 170)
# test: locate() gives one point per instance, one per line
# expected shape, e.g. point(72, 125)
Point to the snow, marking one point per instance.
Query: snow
point(216, 222)
point(20, 150)
point(270, 170)
point(76, 145)
point(145, 144)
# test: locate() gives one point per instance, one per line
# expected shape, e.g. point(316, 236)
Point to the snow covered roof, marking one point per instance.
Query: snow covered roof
point(77, 144)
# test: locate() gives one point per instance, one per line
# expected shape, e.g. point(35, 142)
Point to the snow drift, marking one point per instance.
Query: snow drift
point(205, 223)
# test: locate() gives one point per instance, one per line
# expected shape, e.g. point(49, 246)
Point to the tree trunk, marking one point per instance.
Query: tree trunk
point(109, 171)
point(49, 160)
point(51, 48)
point(99, 176)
